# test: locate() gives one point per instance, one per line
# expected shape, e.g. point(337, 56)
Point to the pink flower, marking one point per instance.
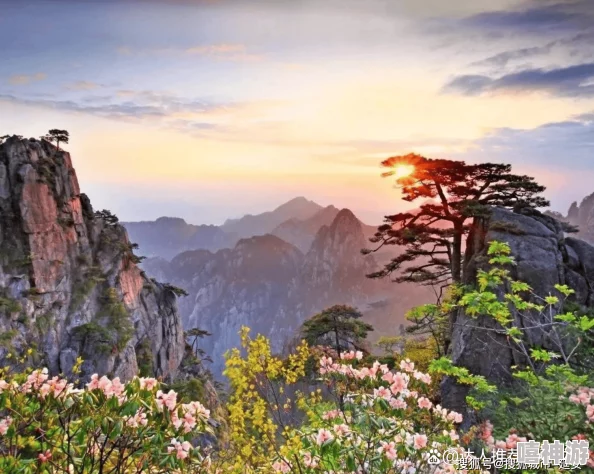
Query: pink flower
point(500, 445)
point(281, 466)
point(407, 365)
point(419, 441)
point(323, 436)
point(389, 450)
point(347, 355)
point(359, 355)
point(94, 383)
point(4, 425)
point(398, 403)
point(309, 461)
point(424, 403)
point(166, 399)
point(399, 383)
point(590, 412)
point(43, 457)
point(182, 450)
point(512, 441)
point(382, 392)
point(148, 383)
point(455, 417)
point(425, 378)
point(331, 414)
point(341, 430)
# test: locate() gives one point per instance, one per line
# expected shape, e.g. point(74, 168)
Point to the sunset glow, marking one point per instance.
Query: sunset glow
point(191, 98)
point(402, 171)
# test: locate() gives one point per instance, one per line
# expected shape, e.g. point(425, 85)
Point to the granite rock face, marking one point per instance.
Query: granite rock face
point(545, 257)
point(69, 282)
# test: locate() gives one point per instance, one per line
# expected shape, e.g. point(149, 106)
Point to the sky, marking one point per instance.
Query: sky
point(210, 109)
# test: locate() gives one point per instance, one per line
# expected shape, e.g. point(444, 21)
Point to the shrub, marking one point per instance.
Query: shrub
point(48, 425)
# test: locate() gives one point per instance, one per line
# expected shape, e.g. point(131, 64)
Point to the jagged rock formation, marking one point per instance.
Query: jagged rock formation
point(301, 232)
point(271, 286)
point(545, 257)
point(582, 216)
point(168, 236)
point(68, 279)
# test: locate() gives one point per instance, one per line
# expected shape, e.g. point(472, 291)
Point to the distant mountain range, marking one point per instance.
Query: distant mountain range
point(297, 222)
point(287, 265)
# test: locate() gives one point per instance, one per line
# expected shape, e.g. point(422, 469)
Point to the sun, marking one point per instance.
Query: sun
point(402, 171)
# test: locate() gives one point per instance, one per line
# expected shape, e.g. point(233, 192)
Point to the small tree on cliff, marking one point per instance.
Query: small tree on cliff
point(454, 192)
point(58, 136)
point(339, 327)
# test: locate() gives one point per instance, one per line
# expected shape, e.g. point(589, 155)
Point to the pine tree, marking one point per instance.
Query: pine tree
point(58, 136)
point(454, 192)
point(339, 327)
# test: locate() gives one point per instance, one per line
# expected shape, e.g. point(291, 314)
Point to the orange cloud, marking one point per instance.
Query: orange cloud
point(22, 79)
point(225, 51)
point(83, 86)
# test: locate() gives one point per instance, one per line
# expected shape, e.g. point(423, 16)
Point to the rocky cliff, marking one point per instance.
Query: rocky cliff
point(582, 217)
point(545, 256)
point(69, 281)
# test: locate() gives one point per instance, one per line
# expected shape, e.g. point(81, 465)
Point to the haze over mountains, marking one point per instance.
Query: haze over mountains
point(272, 271)
point(296, 221)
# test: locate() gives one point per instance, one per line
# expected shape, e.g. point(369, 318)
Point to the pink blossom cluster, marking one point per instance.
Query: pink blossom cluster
point(139, 419)
point(181, 449)
point(39, 381)
point(352, 355)
point(511, 442)
point(110, 388)
point(148, 383)
point(584, 396)
point(191, 413)
point(168, 400)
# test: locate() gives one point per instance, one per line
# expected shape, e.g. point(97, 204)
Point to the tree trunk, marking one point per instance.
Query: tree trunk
point(457, 254)
point(456, 267)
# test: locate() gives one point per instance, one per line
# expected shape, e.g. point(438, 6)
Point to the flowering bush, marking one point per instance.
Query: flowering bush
point(49, 426)
point(260, 403)
point(381, 421)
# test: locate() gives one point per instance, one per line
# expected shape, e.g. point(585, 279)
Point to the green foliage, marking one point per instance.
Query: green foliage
point(44, 322)
point(92, 335)
point(390, 344)
point(339, 327)
point(47, 426)
point(57, 136)
point(174, 289)
point(109, 218)
point(144, 359)
point(188, 390)
point(118, 319)
point(9, 305)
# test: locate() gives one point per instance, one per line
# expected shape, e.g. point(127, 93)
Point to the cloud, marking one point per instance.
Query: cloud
point(224, 51)
point(220, 51)
point(83, 86)
point(222, 48)
point(501, 59)
point(542, 17)
point(147, 105)
point(567, 144)
point(571, 81)
point(19, 80)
